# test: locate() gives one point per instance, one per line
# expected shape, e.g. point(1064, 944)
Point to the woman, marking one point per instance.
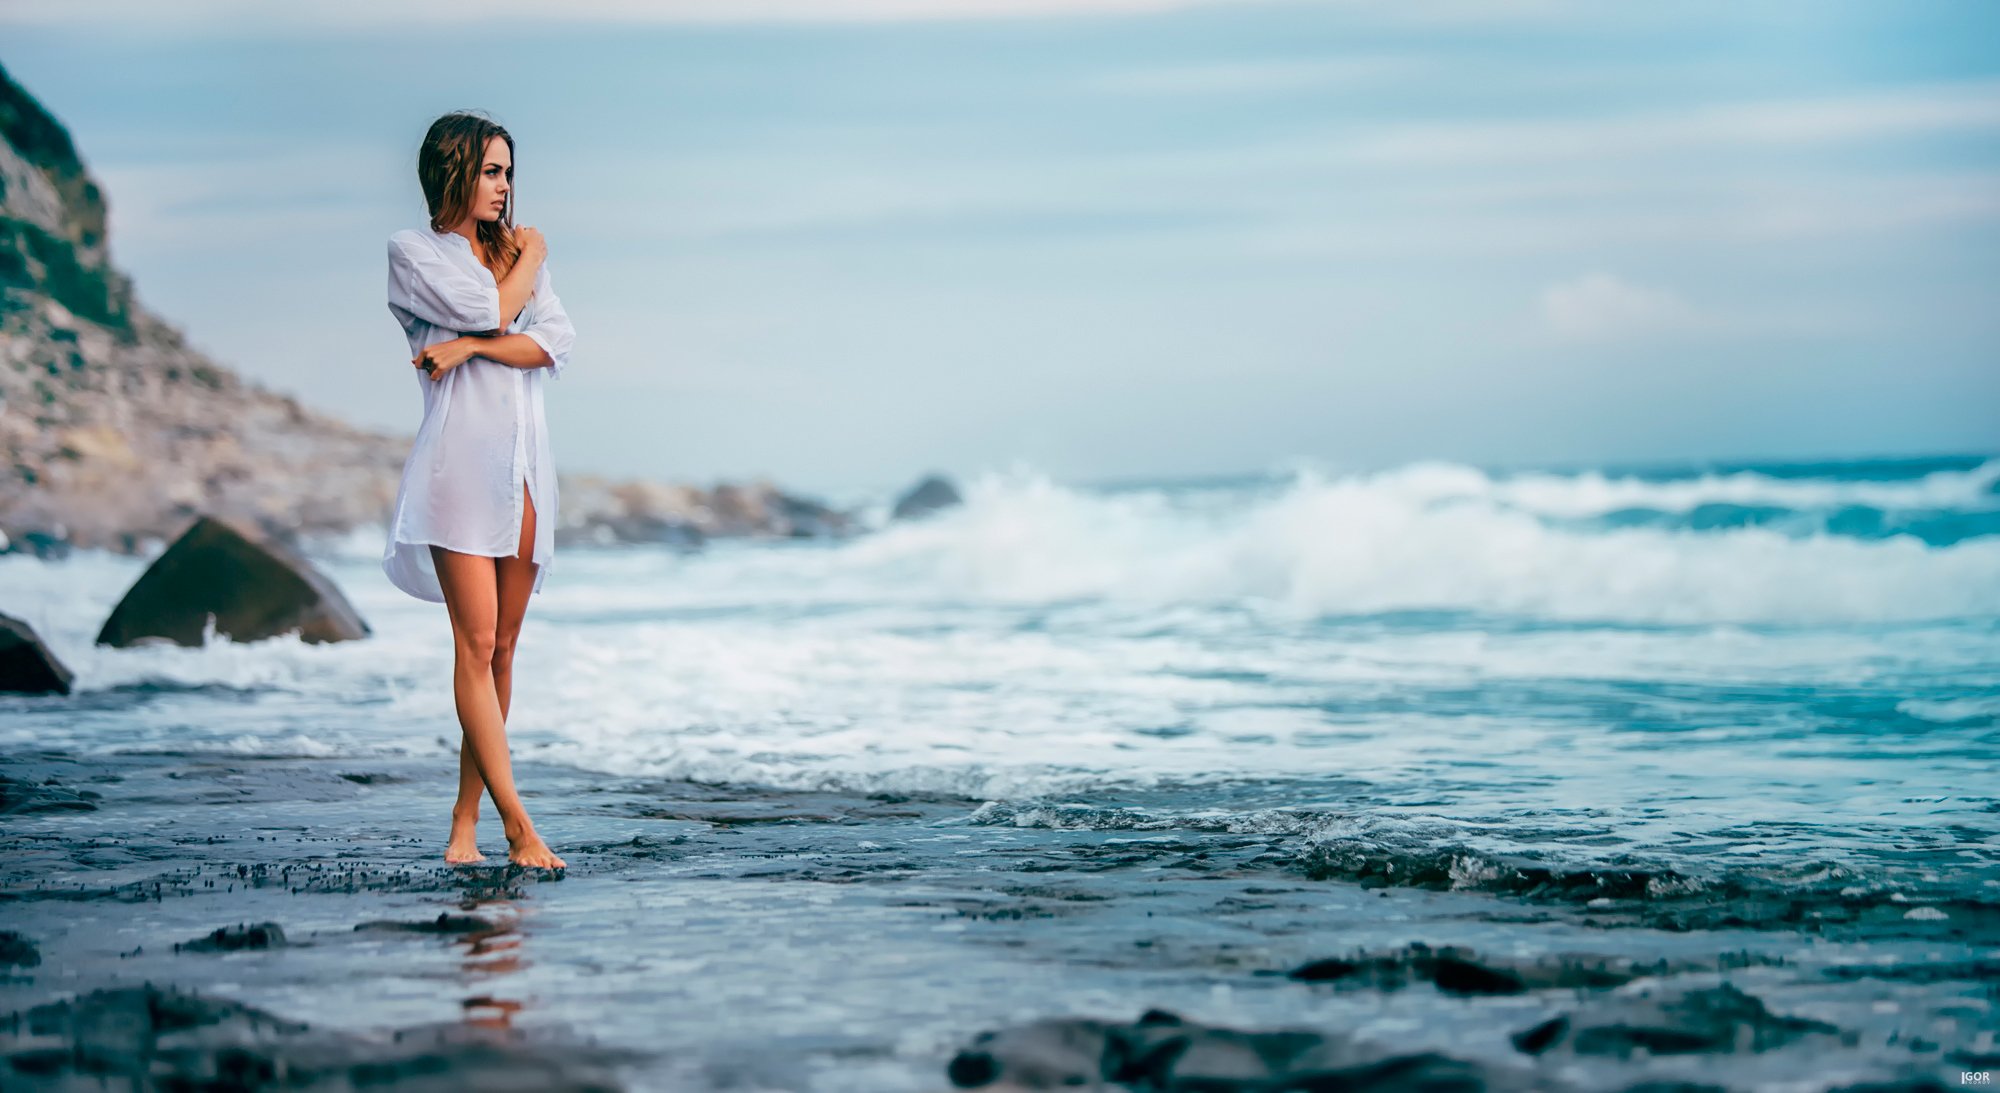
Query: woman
point(475, 514)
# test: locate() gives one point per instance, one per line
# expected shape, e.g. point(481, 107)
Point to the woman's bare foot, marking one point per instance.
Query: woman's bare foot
point(527, 848)
point(463, 847)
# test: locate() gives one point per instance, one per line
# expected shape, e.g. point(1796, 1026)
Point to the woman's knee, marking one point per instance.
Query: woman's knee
point(477, 649)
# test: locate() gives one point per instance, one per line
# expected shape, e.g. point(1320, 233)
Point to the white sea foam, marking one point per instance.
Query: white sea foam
point(1953, 711)
point(1428, 537)
point(1593, 493)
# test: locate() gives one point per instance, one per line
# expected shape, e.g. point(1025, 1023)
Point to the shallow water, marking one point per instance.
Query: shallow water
point(738, 938)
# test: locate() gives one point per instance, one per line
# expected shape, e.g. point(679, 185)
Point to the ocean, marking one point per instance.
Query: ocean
point(1632, 705)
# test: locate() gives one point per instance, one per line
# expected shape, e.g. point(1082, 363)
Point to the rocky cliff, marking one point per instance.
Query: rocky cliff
point(114, 431)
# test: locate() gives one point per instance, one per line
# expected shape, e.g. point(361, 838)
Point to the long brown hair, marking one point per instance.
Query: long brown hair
point(448, 166)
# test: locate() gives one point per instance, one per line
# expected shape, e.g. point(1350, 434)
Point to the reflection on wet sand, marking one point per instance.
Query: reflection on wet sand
point(491, 951)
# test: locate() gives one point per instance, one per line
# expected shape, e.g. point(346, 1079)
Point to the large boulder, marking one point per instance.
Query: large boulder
point(933, 493)
point(26, 665)
point(255, 586)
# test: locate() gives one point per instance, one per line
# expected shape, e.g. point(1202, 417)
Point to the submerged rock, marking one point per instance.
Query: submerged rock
point(149, 1038)
point(26, 665)
point(1654, 896)
point(254, 586)
point(1711, 1019)
point(229, 939)
point(17, 951)
point(20, 796)
point(1455, 969)
point(1163, 1051)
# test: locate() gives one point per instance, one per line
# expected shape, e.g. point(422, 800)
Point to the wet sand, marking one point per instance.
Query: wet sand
point(264, 921)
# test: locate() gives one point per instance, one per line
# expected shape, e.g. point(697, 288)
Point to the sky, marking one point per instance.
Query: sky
point(842, 243)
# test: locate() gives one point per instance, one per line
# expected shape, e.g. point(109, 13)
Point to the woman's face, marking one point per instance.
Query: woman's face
point(496, 181)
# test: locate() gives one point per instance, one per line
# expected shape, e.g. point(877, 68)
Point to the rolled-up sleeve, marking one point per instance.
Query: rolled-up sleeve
point(549, 325)
point(424, 284)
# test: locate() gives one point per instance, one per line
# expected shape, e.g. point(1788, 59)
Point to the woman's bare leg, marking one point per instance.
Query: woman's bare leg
point(471, 600)
point(513, 603)
point(515, 578)
point(464, 844)
point(471, 591)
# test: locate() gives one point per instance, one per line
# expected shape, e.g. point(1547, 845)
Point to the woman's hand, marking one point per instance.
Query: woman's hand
point(533, 248)
point(445, 356)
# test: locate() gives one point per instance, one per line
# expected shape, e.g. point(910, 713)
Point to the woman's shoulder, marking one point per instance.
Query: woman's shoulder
point(414, 236)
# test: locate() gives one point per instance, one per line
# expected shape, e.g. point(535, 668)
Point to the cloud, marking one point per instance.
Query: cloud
point(1959, 105)
point(1604, 307)
point(350, 13)
point(1253, 77)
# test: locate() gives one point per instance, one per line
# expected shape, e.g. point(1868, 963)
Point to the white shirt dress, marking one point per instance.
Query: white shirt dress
point(483, 434)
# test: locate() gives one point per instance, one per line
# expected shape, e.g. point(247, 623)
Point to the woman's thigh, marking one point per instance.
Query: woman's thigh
point(470, 596)
point(516, 575)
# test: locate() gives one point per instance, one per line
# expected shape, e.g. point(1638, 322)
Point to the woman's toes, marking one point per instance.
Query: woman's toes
point(537, 855)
